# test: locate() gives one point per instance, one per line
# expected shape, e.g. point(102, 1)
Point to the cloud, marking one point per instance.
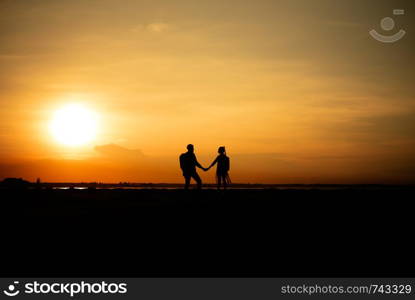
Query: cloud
point(158, 27)
point(12, 56)
point(118, 152)
point(155, 27)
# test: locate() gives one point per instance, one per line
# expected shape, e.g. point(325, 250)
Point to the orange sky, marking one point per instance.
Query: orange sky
point(297, 91)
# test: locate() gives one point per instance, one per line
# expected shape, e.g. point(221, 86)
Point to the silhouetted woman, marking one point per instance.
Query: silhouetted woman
point(222, 169)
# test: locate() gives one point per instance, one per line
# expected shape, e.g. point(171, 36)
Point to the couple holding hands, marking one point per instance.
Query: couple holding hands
point(188, 164)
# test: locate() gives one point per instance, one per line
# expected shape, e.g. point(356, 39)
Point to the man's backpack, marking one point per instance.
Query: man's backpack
point(226, 163)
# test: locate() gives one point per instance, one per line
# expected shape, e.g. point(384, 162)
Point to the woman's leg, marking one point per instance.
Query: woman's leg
point(219, 178)
point(224, 179)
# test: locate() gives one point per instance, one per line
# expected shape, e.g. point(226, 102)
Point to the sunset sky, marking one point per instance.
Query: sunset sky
point(297, 90)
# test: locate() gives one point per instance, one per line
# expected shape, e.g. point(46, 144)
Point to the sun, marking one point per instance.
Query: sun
point(74, 125)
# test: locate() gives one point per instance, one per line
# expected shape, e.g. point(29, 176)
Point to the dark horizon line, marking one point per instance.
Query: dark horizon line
point(144, 184)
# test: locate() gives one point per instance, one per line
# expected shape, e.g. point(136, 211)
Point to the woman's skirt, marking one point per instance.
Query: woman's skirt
point(224, 176)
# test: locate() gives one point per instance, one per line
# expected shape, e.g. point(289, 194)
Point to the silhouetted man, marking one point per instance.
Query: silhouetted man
point(188, 164)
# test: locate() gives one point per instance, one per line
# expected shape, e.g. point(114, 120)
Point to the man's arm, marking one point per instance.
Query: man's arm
point(197, 163)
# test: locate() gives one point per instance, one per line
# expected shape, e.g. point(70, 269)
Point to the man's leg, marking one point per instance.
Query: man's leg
point(198, 180)
point(186, 182)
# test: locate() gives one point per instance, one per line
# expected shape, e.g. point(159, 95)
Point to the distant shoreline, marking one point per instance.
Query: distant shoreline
point(260, 185)
point(19, 182)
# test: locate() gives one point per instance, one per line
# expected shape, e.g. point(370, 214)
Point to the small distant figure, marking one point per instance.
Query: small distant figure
point(38, 183)
point(188, 164)
point(222, 169)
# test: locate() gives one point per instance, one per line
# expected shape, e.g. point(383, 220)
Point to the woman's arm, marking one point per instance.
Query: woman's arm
point(214, 162)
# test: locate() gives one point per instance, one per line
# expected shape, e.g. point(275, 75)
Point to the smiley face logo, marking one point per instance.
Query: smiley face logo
point(11, 290)
point(388, 24)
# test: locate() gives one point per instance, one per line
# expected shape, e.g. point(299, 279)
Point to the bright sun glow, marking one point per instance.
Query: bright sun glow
point(74, 125)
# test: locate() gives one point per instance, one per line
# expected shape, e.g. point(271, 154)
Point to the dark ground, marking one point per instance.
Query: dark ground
point(341, 232)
